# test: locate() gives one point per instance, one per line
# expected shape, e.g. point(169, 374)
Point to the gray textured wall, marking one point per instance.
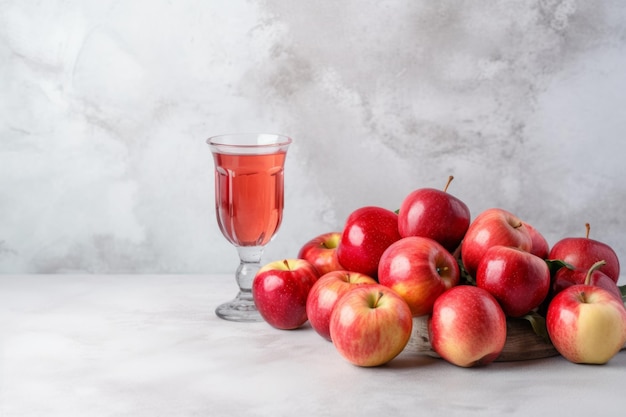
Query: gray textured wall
point(105, 106)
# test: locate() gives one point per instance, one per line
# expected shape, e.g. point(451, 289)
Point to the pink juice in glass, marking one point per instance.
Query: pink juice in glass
point(249, 196)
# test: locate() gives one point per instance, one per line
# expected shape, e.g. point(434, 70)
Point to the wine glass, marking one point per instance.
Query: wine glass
point(249, 197)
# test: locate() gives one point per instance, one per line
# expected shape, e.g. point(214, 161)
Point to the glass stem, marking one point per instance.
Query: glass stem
point(250, 263)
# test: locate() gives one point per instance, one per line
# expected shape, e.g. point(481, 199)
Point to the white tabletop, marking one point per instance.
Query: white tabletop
point(133, 345)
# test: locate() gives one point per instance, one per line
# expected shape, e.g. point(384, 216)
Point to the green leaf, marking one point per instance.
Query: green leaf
point(538, 324)
point(556, 264)
point(622, 289)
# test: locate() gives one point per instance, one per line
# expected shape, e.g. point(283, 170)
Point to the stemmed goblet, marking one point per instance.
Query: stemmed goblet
point(249, 199)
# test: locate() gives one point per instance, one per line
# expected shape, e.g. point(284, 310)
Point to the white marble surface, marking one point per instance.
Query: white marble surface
point(105, 105)
point(129, 345)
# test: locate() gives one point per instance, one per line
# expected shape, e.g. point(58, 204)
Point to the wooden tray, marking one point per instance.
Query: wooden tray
point(522, 343)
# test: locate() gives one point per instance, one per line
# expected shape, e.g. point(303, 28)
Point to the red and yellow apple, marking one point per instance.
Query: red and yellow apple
point(370, 325)
point(494, 226)
point(321, 251)
point(280, 290)
point(467, 327)
point(568, 276)
point(419, 269)
point(325, 293)
point(583, 252)
point(436, 214)
point(586, 324)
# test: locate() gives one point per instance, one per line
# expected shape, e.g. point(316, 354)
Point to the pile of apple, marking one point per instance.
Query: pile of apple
point(361, 287)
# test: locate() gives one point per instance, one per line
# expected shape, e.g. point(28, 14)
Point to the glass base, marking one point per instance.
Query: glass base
point(241, 309)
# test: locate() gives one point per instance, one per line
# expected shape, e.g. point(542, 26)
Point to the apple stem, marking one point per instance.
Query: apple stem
point(588, 227)
point(593, 268)
point(377, 300)
point(286, 262)
point(450, 178)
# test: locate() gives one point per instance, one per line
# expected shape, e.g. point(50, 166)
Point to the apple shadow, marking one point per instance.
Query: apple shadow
point(412, 360)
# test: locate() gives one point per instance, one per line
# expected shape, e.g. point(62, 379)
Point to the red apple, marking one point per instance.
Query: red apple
point(367, 233)
point(325, 293)
point(370, 325)
point(467, 326)
point(539, 246)
point(432, 213)
point(494, 226)
point(321, 251)
point(519, 280)
point(280, 290)
point(583, 252)
point(586, 324)
point(419, 269)
point(566, 277)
